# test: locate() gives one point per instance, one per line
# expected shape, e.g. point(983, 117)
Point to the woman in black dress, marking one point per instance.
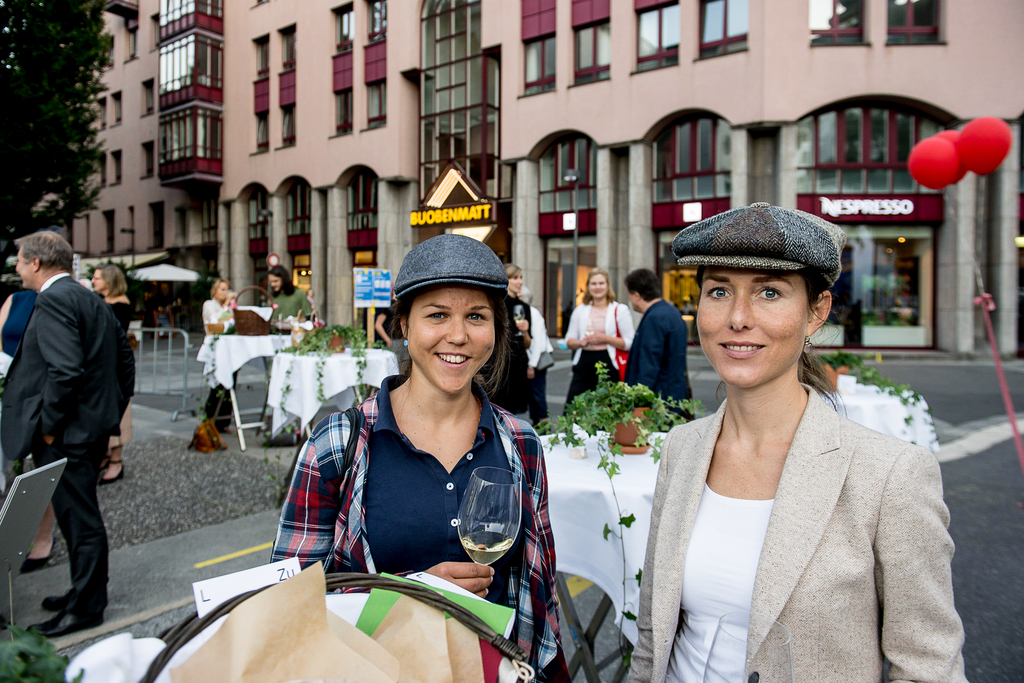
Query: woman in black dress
point(513, 394)
point(108, 281)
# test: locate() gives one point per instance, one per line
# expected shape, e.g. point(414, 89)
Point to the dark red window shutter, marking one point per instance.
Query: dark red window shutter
point(376, 57)
point(343, 71)
point(287, 88)
point(590, 11)
point(538, 18)
point(261, 92)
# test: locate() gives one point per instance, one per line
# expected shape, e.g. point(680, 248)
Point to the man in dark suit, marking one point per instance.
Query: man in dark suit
point(658, 355)
point(66, 390)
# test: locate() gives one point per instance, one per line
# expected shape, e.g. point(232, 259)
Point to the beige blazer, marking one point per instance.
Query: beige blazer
point(856, 558)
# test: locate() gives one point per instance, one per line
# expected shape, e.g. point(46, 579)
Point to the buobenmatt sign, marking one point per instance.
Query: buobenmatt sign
point(866, 207)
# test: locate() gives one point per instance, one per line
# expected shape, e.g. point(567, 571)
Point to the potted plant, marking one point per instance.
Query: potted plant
point(839, 363)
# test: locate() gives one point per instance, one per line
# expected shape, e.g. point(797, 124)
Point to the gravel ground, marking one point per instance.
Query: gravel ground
point(168, 489)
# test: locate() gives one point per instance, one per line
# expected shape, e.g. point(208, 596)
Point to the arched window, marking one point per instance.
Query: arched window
point(859, 150)
point(257, 214)
point(362, 201)
point(298, 208)
point(693, 160)
point(459, 103)
point(578, 154)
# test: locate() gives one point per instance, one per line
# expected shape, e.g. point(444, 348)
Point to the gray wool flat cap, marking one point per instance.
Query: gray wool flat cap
point(765, 237)
point(454, 259)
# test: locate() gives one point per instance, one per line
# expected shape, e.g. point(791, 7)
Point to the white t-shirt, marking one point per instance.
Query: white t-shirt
point(718, 577)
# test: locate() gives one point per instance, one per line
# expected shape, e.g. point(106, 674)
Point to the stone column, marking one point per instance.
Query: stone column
point(339, 259)
point(224, 239)
point(954, 327)
point(279, 229)
point(787, 165)
point(396, 198)
point(1004, 207)
point(318, 248)
point(242, 267)
point(608, 234)
point(740, 167)
point(527, 246)
point(640, 253)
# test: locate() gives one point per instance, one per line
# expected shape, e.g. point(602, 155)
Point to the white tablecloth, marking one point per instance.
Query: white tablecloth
point(340, 373)
point(580, 503)
point(232, 351)
point(869, 406)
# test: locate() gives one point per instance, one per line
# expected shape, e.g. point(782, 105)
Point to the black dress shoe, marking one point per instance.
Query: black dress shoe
point(57, 603)
point(65, 623)
point(33, 563)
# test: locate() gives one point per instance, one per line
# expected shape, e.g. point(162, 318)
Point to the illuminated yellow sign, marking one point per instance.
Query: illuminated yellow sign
point(458, 214)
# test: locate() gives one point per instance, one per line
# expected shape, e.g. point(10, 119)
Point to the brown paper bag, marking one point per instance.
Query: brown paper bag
point(464, 653)
point(415, 634)
point(281, 635)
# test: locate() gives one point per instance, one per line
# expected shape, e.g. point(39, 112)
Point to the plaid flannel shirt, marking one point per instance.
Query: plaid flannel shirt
point(324, 518)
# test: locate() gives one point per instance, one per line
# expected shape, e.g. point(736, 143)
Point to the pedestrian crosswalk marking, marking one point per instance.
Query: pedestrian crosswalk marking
point(231, 556)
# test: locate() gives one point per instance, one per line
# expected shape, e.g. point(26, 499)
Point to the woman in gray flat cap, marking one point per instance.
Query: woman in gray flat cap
point(778, 508)
point(386, 498)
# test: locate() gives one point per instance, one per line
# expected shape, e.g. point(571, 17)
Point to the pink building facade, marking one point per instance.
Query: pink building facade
point(320, 130)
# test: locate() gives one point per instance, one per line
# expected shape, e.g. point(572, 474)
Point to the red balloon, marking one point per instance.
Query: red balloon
point(984, 143)
point(954, 137)
point(934, 162)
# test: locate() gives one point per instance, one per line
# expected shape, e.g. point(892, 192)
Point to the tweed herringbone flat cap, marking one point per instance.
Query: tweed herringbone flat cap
point(454, 259)
point(763, 236)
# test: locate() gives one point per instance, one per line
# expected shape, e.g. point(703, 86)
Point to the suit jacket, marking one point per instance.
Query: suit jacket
point(72, 375)
point(855, 563)
point(658, 356)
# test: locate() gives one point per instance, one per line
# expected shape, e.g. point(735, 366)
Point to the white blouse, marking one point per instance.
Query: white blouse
point(718, 576)
point(213, 312)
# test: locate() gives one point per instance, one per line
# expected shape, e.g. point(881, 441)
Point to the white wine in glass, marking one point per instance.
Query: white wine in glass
point(727, 659)
point(489, 514)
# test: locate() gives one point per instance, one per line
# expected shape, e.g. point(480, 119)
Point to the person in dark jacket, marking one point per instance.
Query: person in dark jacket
point(67, 388)
point(658, 356)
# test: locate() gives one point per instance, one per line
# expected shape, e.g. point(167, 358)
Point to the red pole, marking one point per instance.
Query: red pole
point(988, 305)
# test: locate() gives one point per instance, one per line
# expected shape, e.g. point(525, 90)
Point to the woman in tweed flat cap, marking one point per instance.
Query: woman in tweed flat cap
point(392, 504)
point(778, 507)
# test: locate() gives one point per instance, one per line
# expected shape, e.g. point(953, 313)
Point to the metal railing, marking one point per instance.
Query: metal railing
point(161, 364)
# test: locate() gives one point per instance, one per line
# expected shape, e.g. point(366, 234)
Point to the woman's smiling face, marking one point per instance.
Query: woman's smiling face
point(753, 323)
point(450, 331)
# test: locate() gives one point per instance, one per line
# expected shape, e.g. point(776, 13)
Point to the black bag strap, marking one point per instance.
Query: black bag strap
point(355, 420)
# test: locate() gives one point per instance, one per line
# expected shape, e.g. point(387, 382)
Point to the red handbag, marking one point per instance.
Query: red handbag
point(621, 357)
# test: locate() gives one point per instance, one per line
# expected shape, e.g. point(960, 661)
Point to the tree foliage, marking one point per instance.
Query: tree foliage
point(52, 53)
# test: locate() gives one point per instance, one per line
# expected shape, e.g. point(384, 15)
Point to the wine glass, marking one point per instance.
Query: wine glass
point(489, 514)
point(727, 660)
point(518, 314)
point(588, 332)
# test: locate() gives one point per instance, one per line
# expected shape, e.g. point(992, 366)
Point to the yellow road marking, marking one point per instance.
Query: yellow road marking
point(577, 585)
point(231, 556)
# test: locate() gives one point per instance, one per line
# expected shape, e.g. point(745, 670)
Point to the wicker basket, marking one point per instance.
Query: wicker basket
point(177, 636)
point(249, 323)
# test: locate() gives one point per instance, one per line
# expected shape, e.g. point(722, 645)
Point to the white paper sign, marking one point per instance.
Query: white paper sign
point(212, 592)
point(692, 212)
point(568, 222)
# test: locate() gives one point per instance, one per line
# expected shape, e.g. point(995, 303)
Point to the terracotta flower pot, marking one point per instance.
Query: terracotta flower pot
point(833, 373)
point(627, 434)
point(336, 344)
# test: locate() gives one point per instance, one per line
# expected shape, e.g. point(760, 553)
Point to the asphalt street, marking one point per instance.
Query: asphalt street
point(216, 511)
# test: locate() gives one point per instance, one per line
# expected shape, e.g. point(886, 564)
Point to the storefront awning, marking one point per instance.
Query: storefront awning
point(124, 260)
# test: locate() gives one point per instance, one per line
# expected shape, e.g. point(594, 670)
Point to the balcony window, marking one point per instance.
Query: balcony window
point(288, 48)
point(362, 201)
point(913, 21)
point(377, 101)
point(147, 159)
point(723, 26)
point(343, 111)
point(378, 29)
point(190, 133)
point(192, 60)
point(540, 65)
point(116, 157)
point(173, 10)
point(208, 213)
point(262, 57)
point(344, 31)
point(693, 161)
point(298, 202)
point(133, 43)
point(110, 52)
point(658, 40)
point(593, 53)
point(102, 102)
point(116, 98)
point(257, 214)
point(578, 154)
point(262, 133)
point(836, 22)
point(148, 103)
point(108, 219)
point(288, 126)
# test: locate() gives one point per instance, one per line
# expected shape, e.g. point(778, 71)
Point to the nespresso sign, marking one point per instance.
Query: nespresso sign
point(866, 207)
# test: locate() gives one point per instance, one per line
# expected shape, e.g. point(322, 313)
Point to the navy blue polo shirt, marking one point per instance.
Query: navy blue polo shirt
point(412, 501)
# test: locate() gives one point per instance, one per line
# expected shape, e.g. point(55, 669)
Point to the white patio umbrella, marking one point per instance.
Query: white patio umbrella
point(164, 273)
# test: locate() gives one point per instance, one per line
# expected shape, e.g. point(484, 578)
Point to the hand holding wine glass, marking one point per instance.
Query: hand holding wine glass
point(489, 515)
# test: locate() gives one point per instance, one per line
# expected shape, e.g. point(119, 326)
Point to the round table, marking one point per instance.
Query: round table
point(873, 408)
point(300, 384)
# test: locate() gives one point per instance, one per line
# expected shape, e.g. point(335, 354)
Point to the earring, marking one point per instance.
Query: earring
point(807, 344)
point(405, 342)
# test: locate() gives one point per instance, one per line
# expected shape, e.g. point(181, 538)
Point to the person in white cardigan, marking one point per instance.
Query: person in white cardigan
point(595, 335)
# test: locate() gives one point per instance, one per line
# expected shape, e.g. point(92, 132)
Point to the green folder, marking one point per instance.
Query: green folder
point(380, 603)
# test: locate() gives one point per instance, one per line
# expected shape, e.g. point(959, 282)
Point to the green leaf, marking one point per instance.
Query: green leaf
point(639, 575)
point(607, 530)
point(629, 615)
point(627, 521)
